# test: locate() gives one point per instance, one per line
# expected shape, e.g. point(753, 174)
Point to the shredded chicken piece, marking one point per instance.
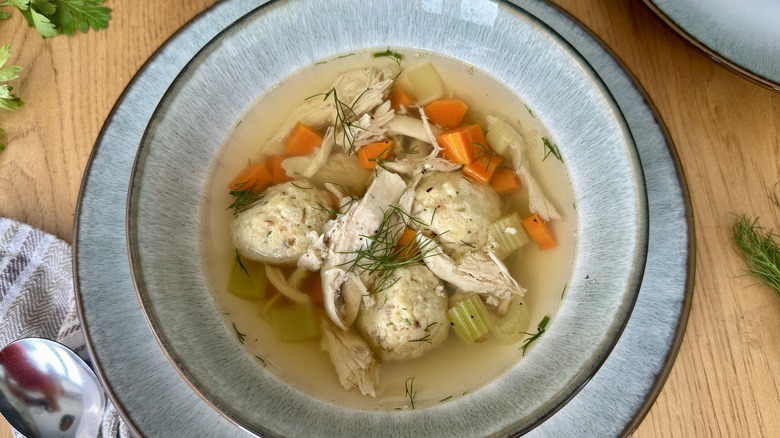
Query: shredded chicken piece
point(345, 236)
point(475, 271)
point(537, 201)
point(410, 127)
point(429, 131)
point(359, 90)
point(373, 128)
point(355, 363)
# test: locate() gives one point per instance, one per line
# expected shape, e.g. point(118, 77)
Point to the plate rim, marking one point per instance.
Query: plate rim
point(729, 63)
point(155, 58)
point(536, 416)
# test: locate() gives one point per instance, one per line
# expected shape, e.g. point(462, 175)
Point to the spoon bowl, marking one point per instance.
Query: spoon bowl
point(46, 390)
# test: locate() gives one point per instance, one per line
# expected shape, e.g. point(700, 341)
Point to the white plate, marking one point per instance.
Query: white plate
point(158, 402)
point(743, 35)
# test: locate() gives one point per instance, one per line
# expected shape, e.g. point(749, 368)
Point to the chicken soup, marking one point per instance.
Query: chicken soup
point(389, 230)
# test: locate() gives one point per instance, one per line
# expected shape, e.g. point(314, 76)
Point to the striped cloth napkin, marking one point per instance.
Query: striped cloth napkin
point(37, 298)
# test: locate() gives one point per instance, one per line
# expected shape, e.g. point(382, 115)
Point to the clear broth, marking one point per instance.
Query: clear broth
point(449, 371)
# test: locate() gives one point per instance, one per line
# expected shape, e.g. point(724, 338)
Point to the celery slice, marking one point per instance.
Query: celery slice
point(513, 327)
point(509, 234)
point(470, 319)
point(247, 280)
point(295, 322)
point(500, 135)
point(425, 83)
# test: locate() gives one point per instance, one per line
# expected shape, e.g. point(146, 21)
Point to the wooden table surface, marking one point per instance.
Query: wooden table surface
point(726, 131)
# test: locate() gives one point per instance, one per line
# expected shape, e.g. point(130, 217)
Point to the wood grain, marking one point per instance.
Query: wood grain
point(725, 128)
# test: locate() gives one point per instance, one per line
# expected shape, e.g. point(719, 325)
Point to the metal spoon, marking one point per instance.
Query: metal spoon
point(46, 390)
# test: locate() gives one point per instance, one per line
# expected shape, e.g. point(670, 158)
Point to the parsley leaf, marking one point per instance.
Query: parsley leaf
point(53, 17)
point(81, 15)
point(42, 24)
point(7, 99)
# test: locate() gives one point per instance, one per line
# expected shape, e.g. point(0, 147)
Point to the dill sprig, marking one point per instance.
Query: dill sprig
point(760, 249)
point(427, 337)
point(239, 335)
point(343, 208)
point(483, 150)
point(383, 256)
point(540, 329)
point(380, 162)
point(240, 263)
point(551, 149)
point(410, 392)
point(395, 56)
point(244, 197)
point(345, 117)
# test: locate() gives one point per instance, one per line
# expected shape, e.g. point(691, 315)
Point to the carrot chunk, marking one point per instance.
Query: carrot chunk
point(400, 98)
point(482, 168)
point(302, 140)
point(539, 231)
point(447, 113)
point(461, 145)
point(505, 181)
point(254, 177)
point(370, 154)
point(278, 175)
point(406, 247)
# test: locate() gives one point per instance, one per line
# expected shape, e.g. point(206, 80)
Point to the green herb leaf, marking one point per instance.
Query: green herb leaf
point(239, 335)
point(45, 7)
point(42, 24)
point(21, 4)
point(540, 329)
point(760, 249)
point(10, 72)
point(552, 149)
point(245, 198)
point(382, 257)
point(397, 57)
point(410, 392)
point(81, 15)
point(240, 264)
point(8, 100)
point(53, 17)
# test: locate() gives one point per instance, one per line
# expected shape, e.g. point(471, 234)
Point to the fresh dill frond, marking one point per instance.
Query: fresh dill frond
point(410, 392)
point(300, 187)
point(395, 56)
point(382, 256)
point(529, 110)
point(534, 336)
point(380, 162)
point(345, 117)
point(330, 211)
point(760, 249)
point(427, 337)
point(240, 264)
point(245, 198)
point(239, 335)
point(773, 196)
point(445, 399)
point(551, 149)
point(343, 208)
